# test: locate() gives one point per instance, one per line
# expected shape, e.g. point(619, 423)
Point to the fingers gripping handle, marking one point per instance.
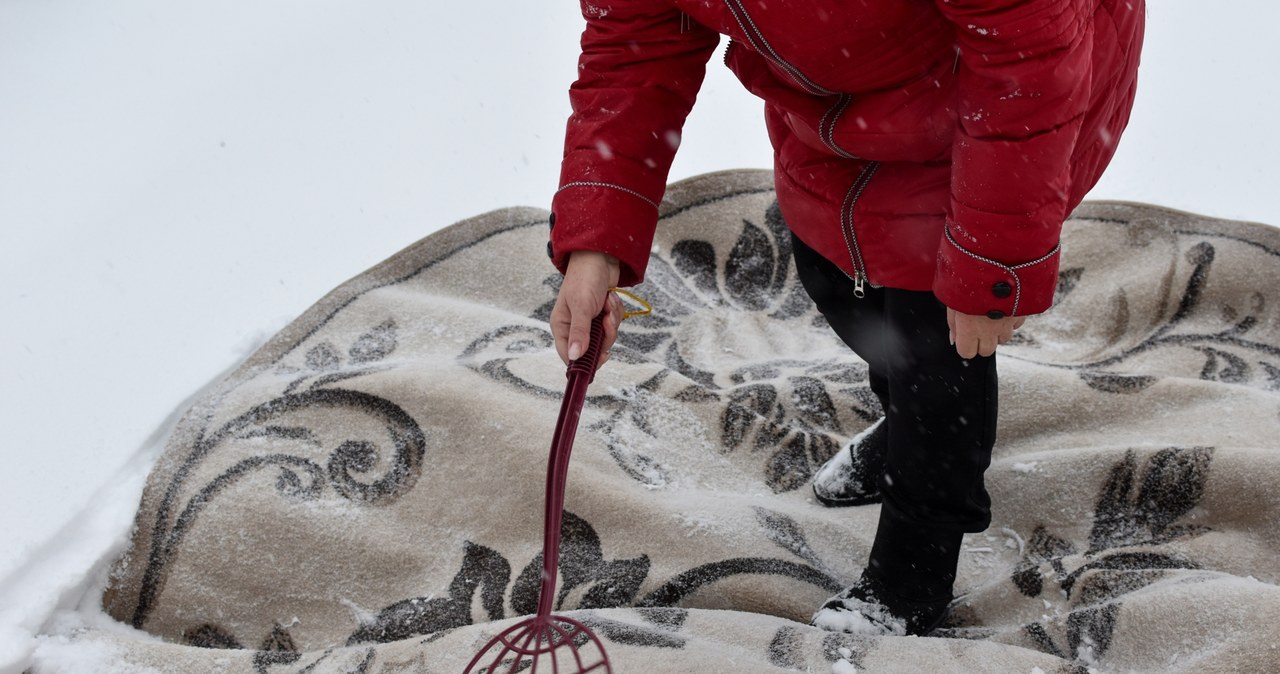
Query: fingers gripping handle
point(586, 363)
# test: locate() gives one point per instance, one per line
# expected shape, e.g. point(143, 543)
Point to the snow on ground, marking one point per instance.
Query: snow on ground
point(177, 180)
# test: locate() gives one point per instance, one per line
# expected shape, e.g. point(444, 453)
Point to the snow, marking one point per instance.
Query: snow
point(63, 655)
point(843, 667)
point(177, 180)
point(854, 616)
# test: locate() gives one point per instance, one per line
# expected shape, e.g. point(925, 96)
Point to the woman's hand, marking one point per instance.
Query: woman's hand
point(979, 335)
point(584, 292)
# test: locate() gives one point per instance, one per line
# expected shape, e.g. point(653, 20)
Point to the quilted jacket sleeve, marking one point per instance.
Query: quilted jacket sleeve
point(1024, 82)
point(639, 73)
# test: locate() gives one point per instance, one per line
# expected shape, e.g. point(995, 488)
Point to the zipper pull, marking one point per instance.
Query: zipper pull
point(859, 290)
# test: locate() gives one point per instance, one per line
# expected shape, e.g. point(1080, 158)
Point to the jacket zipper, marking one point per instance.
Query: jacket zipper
point(761, 45)
point(826, 131)
point(859, 276)
point(826, 127)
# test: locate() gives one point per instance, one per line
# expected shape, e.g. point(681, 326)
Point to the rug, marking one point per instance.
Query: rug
point(364, 493)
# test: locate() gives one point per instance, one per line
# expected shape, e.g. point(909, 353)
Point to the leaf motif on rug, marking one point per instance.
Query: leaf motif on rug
point(1129, 525)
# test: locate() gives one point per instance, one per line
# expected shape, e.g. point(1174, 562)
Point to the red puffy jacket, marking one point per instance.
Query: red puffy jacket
point(919, 144)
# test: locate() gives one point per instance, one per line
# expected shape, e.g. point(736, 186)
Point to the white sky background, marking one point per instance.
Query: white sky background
point(178, 178)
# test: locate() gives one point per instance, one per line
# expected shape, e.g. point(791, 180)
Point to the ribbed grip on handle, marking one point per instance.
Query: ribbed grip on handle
point(586, 364)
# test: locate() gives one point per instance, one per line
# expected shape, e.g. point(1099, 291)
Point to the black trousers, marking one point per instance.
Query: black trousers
point(940, 414)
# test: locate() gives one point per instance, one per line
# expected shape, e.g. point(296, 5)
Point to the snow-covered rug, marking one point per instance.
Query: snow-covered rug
point(364, 494)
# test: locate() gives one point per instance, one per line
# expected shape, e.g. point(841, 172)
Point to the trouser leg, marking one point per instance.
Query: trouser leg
point(942, 430)
point(940, 415)
point(942, 418)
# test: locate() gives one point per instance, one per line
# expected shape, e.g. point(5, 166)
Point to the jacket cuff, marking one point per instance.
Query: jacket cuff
point(976, 285)
point(605, 218)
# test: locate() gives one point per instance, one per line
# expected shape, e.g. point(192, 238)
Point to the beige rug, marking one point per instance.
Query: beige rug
point(364, 494)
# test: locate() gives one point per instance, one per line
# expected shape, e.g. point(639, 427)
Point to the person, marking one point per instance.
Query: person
point(926, 154)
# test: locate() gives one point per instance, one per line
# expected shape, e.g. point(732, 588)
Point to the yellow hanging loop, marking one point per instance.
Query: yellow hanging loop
point(648, 308)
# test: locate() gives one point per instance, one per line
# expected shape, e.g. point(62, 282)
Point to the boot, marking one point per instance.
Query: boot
point(869, 608)
point(852, 476)
point(906, 588)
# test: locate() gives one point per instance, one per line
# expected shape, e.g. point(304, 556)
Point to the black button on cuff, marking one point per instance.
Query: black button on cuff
point(1002, 290)
point(995, 314)
point(551, 221)
point(550, 252)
